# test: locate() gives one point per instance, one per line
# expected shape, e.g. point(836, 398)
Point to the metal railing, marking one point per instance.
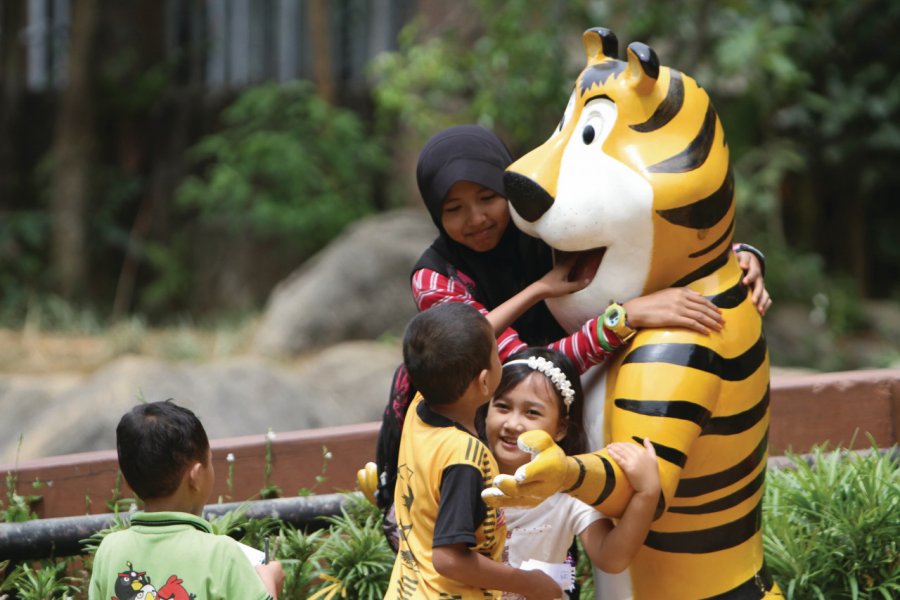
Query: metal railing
point(64, 536)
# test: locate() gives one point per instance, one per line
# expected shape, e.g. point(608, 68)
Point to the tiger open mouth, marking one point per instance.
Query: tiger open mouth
point(586, 262)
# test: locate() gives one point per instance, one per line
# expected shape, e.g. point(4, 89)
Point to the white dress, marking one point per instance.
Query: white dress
point(546, 531)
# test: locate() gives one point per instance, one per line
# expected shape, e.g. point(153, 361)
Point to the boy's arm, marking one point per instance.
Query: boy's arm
point(613, 548)
point(272, 576)
point(471, 568)
point(460, 513)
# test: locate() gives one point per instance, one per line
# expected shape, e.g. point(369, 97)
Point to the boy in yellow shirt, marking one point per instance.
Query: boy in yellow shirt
point(450, 541)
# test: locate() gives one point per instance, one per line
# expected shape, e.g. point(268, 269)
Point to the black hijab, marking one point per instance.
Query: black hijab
point(472, 153)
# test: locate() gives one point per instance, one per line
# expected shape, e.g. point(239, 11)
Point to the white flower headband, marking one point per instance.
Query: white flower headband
point(553, 373)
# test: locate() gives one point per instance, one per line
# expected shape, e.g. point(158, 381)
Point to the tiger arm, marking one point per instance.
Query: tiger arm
point(667, 403)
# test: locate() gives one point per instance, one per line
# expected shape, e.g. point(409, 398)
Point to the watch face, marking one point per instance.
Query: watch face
point(613, 317)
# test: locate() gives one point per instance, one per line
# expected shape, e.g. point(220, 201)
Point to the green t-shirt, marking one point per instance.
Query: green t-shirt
point(172, 555)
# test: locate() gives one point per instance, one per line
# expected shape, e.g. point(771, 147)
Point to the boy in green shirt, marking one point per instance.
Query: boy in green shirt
point(165, 457)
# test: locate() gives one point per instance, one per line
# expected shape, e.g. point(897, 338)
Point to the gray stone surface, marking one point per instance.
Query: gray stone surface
point(344, 384)
point(357, 288)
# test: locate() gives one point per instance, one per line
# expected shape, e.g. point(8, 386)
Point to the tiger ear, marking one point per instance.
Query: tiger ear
point(599, 44)
point(643, 68)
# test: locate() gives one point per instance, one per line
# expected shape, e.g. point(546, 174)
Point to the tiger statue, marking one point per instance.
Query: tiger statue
point(637, 180)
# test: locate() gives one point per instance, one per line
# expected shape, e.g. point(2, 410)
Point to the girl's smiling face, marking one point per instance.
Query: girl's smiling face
point(474, 216)
point(532, 404)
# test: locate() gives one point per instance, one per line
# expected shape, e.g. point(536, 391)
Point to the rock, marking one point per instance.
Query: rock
point(345, 384)
point(356, 288)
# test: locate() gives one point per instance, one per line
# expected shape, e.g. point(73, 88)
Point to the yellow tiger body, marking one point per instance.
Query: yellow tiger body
point(639, 166)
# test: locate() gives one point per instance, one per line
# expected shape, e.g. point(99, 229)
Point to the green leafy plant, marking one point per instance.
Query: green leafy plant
point(90, 544)
point(117, 502)
point(505, 75)
point(47, 582)
point(286, 164)
point(295, 548)
point(24, 239)
point(269, 489)
point(18, 507)
point(354, 558)
point(321, 477)
point(830, 527)
point(229, 522)
point(8, 580)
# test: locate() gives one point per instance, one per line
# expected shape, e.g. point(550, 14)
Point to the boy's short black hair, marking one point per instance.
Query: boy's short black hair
point(445, 348)
point(157, 442)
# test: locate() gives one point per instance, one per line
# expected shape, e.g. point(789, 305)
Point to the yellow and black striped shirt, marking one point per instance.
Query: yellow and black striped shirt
point(442, 469)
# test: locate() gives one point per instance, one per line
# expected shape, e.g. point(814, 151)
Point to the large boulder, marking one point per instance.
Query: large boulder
point(355, 289)
point(342, 385)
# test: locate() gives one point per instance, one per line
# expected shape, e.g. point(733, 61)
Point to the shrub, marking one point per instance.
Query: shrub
point(286, 164)
point(830, 528)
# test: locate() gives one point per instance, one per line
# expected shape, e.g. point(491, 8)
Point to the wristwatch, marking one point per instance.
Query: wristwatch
point(615, 319)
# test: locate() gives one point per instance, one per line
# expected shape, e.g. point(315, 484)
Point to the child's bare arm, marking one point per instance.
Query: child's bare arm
point(613, 548)
point(272, 576)
point(674, 307)
point(554, 283)
point(457, 562)
point(753, 279)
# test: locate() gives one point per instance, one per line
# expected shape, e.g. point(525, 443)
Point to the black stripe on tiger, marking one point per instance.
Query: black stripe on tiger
point(703, 541)
point(706, 212)
point(660, 506)
point(727, 502)
point(730, 298)
point(667, 453)
point(610, 482)
point(710, 267)
point(715, 244)
point(696, 152)
point(599, 73)
point(667, 109)
point(702, 358)
point(674, 409)
point(752, 589)
point(742, 421)
point(581, 473)
point(690, 487)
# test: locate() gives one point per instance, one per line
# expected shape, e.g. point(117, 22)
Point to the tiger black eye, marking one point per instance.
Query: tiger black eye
point(588, 134)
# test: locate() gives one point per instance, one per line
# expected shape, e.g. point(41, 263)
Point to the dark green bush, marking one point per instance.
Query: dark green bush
point(286, 164)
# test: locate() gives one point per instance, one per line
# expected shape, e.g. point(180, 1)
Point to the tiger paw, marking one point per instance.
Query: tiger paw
point(535, 481)
point(367, 480)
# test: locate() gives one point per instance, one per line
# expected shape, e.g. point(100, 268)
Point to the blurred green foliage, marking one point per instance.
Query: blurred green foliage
point(285, 164)
point(23, 260)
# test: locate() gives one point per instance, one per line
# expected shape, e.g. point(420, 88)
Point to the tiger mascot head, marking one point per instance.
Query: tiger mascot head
point(635, 179)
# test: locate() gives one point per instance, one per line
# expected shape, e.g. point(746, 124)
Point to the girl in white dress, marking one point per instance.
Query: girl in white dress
point(540, 389)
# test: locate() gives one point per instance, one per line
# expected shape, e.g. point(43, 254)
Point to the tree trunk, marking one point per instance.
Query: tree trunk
point(320, 34)
point(71, 152)
point(12, 20)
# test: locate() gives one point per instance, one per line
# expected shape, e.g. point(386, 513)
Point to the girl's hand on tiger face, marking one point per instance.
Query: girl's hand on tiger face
point(674, 307)
point(753, 279)
point(639, 464)
point(556, 281)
